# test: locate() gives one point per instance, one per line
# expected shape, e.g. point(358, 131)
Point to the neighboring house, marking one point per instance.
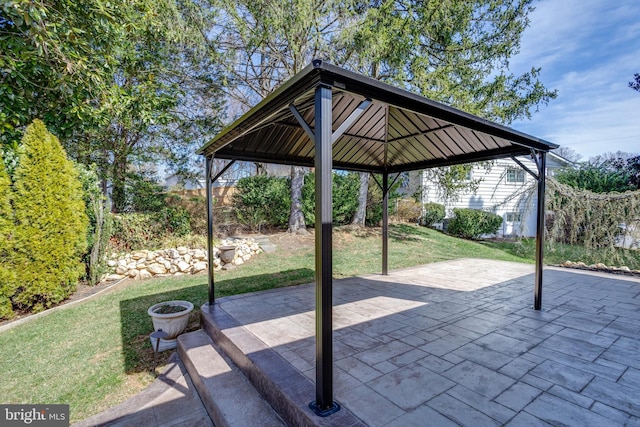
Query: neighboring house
point(178, 181)
point(222, 190)
point(506, 190)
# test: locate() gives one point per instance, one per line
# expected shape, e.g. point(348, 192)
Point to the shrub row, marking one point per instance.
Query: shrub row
point(265, 200)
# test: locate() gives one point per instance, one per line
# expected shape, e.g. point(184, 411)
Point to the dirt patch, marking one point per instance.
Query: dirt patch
point(292, 242)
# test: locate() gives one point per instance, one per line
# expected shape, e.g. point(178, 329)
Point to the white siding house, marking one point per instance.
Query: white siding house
point(505, 189)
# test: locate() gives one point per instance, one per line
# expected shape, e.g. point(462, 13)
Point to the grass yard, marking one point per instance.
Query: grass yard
point(95, 354)
point(559, 253)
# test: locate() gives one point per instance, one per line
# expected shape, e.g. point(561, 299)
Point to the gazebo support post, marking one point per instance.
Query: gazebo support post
point(324, 404)
point(542, 166)
point(385, 223)
point(210, 257)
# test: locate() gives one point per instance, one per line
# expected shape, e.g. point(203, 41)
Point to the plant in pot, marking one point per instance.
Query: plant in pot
point(172, 317)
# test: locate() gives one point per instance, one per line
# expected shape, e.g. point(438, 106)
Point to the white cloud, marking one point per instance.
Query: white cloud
point(588, 51)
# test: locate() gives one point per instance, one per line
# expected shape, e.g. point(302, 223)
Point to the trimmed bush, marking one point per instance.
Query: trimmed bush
point(408, 210)
point(345, 188)
point(262, 200)
point(51, 224)
point(473, 223)
point(433, 213)
point(8, 284)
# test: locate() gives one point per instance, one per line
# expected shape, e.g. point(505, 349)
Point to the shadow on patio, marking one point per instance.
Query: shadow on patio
point(456, 343)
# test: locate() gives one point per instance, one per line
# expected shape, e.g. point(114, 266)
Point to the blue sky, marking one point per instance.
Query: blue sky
point(588, 51)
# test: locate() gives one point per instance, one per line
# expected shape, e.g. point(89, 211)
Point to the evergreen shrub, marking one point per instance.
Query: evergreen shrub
point(345, 188)
point(8, 284)
point(262, 200)
point(473, 223)
point(433, 213)
point(51, 224)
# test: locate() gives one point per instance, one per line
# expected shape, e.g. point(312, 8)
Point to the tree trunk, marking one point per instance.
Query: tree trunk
point(118, 180)
point(359, 216)
point(296, 218)
point(97, 249)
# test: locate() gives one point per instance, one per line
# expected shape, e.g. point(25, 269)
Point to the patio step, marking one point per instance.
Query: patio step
point(286, 389)
point(226, 393)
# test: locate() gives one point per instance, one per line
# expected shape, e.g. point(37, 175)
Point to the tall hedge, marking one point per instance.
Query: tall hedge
point(7, 272)
point(51, 225)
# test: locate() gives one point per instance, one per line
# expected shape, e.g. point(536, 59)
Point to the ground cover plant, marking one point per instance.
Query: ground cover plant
point(96, 354)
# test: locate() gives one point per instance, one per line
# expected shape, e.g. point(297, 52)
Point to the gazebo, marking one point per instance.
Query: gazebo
point(327, 117)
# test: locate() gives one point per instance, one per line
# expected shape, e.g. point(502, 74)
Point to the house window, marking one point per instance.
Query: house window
point(513, 216)
point(515, 176)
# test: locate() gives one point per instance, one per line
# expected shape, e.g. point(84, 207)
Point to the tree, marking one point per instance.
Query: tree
point(7, 272)
point(635, 84)
point(50, 234)
point(606, 173)
point(119, 82)
point(455, 52)
point(567, 153)
point(57, 60)
point(361, 212)
point(263, 43)
point(296, 216)
point(451, 182)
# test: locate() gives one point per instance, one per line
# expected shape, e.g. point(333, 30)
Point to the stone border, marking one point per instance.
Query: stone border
point(146, 264)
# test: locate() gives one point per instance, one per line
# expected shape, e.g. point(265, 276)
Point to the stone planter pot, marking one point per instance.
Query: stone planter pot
point(227, 253)
point(172, 317)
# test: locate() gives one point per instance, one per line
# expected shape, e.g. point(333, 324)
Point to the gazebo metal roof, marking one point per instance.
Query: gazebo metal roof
point(395, 131)
point(330, 118)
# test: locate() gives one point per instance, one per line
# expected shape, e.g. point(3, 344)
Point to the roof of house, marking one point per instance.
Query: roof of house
point(395, 131)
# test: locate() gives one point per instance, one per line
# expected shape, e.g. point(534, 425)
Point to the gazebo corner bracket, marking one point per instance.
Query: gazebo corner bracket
point(302, 121)
point(522, 165)
point(361, 108)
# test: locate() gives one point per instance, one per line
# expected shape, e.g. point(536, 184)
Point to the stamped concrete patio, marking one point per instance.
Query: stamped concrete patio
point(453, 343)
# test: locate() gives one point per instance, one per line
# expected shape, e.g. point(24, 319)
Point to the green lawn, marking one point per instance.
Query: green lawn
point(558, 253)
point(96, 354)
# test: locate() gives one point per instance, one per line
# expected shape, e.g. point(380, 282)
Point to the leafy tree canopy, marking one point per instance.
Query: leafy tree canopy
point(610, 172)
point(635, 84)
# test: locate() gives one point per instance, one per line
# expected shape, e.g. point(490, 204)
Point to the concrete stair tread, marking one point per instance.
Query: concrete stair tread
point(228, 396)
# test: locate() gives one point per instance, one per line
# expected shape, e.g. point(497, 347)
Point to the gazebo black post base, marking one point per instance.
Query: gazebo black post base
point(335, 407)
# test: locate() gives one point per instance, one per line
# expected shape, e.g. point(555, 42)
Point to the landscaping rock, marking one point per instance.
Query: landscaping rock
point(173, 253)
point(138, 255)
point(181, 260)
point(144, 274)
point(157, 269)
point(198, 267)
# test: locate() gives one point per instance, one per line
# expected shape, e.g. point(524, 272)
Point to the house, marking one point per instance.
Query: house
point(505, 189)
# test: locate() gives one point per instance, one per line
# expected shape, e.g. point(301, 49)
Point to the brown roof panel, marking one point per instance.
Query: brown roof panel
point(398, 131)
